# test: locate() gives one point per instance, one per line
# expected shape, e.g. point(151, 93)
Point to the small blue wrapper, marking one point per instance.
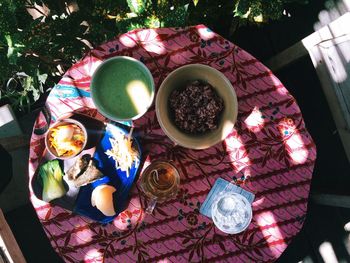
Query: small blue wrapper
point(219, 186)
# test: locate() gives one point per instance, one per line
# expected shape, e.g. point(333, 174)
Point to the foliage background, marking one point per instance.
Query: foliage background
point(40, 40)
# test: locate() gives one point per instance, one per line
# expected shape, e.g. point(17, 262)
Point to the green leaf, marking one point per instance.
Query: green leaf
point(10, 48)
point(136, 6)
point(195, 2)
point(242, 8)
point(153, 22)
point(42, 77)
point(177, 17)
point(36, 94)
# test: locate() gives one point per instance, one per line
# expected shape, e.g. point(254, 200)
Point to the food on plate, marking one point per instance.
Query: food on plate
point(102, 199)
point(67, 139)
point(196, 108)
point(51, 176)
point(122, 152)
point(84, 171)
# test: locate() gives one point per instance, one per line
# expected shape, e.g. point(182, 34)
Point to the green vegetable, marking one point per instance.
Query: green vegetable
point(51, 175)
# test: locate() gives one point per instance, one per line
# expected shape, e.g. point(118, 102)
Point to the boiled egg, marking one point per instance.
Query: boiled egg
point(64, 133)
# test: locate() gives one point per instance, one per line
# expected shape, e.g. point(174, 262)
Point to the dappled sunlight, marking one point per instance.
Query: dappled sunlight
point(347, 227)
point(327, 252)
point(90, 68)
point(334, 64)
point(347, 237)
point(133, 215)
point(344, 48)
point(205, 33)
point(254, 121)
point(127, 41)
point(346, 240)
point(273, 233)
point(165, 260)
point(149, 40)
point(93, 254)
point(277, 83)
point(295, 146)
point(84, 236)
point(258, 202)
point(330, 43)
point(139, 94)
point(237, 153)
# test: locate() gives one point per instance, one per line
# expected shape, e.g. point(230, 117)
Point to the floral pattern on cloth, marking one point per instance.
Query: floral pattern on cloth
point(269, 152)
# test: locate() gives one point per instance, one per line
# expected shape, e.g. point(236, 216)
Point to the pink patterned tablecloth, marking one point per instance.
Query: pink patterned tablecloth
point(269, 152)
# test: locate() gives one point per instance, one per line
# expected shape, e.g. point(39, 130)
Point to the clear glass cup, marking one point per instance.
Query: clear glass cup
point(159, 182)
point(231, 212)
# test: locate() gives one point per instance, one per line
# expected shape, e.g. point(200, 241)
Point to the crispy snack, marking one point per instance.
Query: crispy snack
point(67, 139)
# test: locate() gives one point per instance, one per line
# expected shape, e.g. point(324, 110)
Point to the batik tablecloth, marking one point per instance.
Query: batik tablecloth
point(269, 152)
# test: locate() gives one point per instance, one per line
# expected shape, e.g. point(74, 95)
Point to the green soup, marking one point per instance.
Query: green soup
point(122, 88)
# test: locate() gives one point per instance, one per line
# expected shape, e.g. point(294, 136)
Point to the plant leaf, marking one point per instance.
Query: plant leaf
point(62, 215)
point(191, 255)
point(186, 240)
point(222, 246)
point(69, 259)
point(257, 251)
point(251, 238)
point(271, 133)
point(242, 8)
point(167, 60)
point(245, 235)
point(48, 214)
point(42, 78)
point(136, 6)
point(66, 241)
point(289, 103)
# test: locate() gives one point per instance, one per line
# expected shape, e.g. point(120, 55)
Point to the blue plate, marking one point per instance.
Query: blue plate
point(113, 176)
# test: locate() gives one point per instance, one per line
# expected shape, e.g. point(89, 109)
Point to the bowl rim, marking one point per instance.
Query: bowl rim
point(225, 131)
point(57, 123)
point(139, 63)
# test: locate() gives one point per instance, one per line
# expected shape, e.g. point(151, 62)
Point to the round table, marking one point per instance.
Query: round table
point(269, 152)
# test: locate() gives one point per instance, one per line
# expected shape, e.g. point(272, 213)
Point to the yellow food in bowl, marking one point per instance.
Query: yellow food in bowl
point(67, 139)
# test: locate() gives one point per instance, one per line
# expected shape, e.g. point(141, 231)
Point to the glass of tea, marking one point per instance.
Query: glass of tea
point(159, 182)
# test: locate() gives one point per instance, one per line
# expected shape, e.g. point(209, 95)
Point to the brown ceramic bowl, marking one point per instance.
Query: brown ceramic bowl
point(52, 150)
point(177, 79)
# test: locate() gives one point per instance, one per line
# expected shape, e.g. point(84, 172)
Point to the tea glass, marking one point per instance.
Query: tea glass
point(159, 182)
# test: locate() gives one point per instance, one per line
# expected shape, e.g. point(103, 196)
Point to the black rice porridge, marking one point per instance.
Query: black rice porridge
point(196, 108)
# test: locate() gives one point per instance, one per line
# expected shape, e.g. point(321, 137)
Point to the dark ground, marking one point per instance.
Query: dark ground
point(332, 171)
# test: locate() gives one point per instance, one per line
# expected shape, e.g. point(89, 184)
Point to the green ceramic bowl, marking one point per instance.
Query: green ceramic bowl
point(122, 88)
